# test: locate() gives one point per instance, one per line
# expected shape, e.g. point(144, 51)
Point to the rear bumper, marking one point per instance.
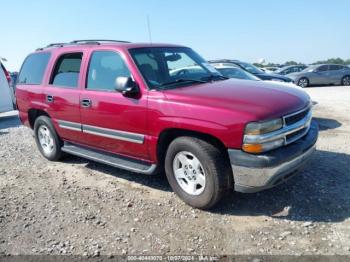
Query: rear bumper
point(254, 173)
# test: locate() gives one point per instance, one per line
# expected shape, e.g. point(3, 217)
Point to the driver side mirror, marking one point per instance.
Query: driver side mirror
point(127, 86)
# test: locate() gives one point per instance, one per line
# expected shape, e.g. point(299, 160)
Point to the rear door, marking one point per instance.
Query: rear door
point(5, 93)
point(336, 73)
point(111, 121)
point(61, 94)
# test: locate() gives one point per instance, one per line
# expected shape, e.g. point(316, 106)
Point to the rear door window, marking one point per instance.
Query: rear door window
point(335, 67)
point(67, 70)
point(33, 69)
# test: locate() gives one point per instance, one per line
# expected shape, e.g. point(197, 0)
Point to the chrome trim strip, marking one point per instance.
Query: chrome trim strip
point(104, 132)
point(280, 133)
point(298, 112)
point(114, 134)
point(69, 125)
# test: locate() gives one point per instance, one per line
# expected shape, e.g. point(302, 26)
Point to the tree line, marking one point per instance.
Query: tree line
point(338, 61)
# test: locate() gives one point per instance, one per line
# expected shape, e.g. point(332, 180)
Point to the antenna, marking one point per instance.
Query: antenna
point(149, 29)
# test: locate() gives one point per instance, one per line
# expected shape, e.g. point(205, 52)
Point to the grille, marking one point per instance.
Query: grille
point(292, 119)
point(296, 135)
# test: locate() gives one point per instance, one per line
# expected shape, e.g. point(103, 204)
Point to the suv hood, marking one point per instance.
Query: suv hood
point(258, 99)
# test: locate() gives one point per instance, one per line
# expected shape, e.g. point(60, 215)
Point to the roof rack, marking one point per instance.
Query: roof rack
point(82, 42)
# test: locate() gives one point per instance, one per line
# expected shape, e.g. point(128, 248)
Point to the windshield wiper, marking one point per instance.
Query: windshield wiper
point(216, 77)
point(181, 80)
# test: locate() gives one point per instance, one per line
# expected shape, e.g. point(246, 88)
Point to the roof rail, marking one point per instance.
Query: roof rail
point(82, 42)
point(98, 41)
point(56, 45)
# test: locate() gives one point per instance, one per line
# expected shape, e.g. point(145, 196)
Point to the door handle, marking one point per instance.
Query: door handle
point(86, 103)
point(49, 98)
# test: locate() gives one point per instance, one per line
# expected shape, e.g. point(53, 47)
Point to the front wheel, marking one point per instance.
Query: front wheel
point(346, 81)
point(303, 82)
point(197, 171)
point(47, 139)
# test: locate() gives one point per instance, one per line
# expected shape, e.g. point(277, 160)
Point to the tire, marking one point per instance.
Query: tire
point(345, 81)
point(45, 133)
point(303, 82)
point(213, 166)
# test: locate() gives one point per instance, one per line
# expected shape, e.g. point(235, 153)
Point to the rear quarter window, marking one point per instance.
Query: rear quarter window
point(33, 69)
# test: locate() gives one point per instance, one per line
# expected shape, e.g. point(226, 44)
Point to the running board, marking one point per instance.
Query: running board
point(110, 159)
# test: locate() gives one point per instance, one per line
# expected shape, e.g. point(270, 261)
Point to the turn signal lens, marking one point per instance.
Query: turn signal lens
point(253, 148)
point(263, 147)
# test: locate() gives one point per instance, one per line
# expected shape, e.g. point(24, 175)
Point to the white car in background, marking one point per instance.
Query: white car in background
point(6, 93)
point(232, 71)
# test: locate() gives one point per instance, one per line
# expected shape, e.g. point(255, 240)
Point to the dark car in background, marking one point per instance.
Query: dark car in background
point(254, 70)
point(324, 74)
point(13, 81)
point(290, 69)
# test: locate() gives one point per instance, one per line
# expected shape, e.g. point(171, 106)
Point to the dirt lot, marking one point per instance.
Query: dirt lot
point(80, 207)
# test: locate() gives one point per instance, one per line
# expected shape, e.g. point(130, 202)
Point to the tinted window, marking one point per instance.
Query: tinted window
point(66, 71)
point(335, 67)
point(104, 68)
point(322, 68)
point(33, 69)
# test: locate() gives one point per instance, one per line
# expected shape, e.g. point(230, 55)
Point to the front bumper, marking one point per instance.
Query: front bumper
point(254, 173)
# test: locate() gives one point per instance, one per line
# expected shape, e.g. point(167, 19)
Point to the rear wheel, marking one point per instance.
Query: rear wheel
point(346, 81)
point(197, 171)
point(303, 82)
point(47, 139)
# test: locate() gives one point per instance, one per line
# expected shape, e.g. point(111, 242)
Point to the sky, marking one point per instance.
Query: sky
point(278, 31)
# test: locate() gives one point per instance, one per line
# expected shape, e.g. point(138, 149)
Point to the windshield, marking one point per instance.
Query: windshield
point(250, 68)
point(235, 72)
point(279, 70)
point(172, 66)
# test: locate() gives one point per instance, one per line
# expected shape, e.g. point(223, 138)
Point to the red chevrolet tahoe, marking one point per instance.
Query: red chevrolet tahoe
point(150, 108)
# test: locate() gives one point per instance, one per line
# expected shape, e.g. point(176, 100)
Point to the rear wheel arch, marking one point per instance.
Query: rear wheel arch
point(33, 114)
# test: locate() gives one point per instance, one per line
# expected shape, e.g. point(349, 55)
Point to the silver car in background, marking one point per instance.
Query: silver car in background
point(325, 74)
point(6, 96)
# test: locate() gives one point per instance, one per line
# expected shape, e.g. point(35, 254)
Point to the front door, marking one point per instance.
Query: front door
point(111, 121)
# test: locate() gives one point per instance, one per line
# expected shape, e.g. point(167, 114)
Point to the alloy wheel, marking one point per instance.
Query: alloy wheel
point(189, 173)
point(46, 139)
point(346, 81)
point(303, 82)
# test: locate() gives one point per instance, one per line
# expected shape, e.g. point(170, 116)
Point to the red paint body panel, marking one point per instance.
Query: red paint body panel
point(220, 109)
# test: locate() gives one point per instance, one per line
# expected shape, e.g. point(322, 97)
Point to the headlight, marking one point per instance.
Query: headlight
point(258, 128)
point(255, 131)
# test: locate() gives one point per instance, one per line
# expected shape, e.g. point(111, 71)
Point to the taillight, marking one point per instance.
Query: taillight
point(8, 77)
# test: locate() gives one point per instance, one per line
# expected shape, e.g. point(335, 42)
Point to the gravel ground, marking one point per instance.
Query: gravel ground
point(83, 208)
